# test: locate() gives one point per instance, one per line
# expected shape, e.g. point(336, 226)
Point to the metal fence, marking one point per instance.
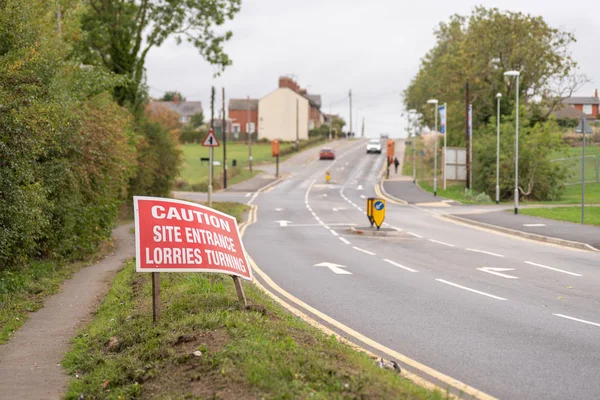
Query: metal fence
point(573, 164)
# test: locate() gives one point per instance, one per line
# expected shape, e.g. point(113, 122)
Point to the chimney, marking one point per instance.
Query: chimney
point(176, 99)
point(596, 93)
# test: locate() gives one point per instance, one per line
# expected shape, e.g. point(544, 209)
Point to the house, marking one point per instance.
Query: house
point(244, 115)
point(185, 109)
point(283, 114)
point(315, 117)
point(587, 105)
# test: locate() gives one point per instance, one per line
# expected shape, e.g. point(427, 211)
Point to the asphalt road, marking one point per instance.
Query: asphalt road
point(513, 318)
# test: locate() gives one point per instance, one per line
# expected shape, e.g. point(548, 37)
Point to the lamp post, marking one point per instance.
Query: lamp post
point(435, 103)
point(498, 97)
point(517, 74)
point(412, 112)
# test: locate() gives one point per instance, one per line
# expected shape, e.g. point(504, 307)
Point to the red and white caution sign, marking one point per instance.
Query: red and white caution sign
point(179, 236)
point(210, 140)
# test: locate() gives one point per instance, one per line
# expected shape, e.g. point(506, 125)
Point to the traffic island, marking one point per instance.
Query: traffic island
point(373, 231)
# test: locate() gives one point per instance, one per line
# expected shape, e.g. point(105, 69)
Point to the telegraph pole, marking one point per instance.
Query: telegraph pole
point(468, 142)
point(224, 144)
point(350, 96)
point(248, 133)
point(297, 126)
point(362, 134)
point(330, 121)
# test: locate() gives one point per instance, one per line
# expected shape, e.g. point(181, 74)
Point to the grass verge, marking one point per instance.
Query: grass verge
point(257, 352)
point(570, 214)
point(246, 353)
point(23, 290)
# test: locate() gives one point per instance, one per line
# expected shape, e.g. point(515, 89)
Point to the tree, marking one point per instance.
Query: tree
point(120, 33)
point(478, 49)
point(197, 120)
point(337, 124)
point(170, 96)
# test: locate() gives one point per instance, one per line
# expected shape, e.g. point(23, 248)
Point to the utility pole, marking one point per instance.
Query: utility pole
point(350, 96)
point(330, 121)
point(297, 125)
point(212, 127)
point(248, 133)
point(363, 128)
point(224, 143)
point(468, 142)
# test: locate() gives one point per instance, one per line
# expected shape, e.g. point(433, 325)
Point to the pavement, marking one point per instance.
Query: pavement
point(508, 317)
point(30, 363)
point(548, 228)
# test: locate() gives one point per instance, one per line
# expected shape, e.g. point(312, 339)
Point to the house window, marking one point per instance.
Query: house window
point(183, 119)
point(587, 109)
point(250, 127)
point(235, 128)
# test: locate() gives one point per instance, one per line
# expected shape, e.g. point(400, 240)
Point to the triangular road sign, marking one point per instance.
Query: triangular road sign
point(210, 140)
point(584, 127)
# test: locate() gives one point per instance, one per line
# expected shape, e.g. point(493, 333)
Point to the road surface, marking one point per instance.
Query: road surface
point(512, 318)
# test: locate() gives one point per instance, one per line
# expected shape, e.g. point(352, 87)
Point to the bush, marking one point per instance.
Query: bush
point(539, 178)
point(158, 161)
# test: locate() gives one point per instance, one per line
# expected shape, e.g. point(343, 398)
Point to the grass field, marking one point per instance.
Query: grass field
point(570, 214)
point(194, 173)
point(256, 352)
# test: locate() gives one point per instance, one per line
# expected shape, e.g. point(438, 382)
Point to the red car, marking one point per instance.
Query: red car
point(326, 154)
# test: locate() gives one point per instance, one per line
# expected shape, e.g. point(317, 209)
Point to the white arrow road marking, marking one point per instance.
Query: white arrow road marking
point(335, 268)
point(577, 319)
point(283, 223)
point(497, 271)
point(362, 196)
point(470, 290)
point(324, 194)
point(248, 194)
point(278, 209)
point(360, 187)
point(553, 269)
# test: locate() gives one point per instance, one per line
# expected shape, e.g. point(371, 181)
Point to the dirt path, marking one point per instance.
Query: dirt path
point(30, 362)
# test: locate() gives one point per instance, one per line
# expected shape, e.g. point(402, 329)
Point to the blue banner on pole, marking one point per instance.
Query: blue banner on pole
point(442, 110)
point(470, 122)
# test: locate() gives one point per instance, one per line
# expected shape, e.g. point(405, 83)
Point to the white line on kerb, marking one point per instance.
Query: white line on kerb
point(415, 235)
point(577, 319)
point(399, 265)
point(344, 240)
point(442, 243)
point(470, 290)
point(553, 269)
point(486, 252)
point(364, 251)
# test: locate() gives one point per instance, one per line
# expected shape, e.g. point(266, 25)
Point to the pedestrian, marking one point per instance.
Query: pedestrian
point(396, 163)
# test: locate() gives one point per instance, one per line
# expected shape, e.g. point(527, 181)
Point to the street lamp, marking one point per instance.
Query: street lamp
point(412, 112)
point(517, 74)
point(435, 103)
point(498, 97)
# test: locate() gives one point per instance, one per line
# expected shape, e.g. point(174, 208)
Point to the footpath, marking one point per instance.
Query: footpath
point(30, 366)
point(402, 189)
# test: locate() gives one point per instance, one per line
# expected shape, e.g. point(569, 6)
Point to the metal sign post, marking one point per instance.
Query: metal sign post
point(210, 141)
point(583, 128)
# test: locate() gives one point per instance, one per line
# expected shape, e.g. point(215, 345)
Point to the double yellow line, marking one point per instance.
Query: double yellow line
point(459, 386)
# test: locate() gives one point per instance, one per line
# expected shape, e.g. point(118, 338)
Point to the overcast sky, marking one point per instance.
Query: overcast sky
point(373, 47)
